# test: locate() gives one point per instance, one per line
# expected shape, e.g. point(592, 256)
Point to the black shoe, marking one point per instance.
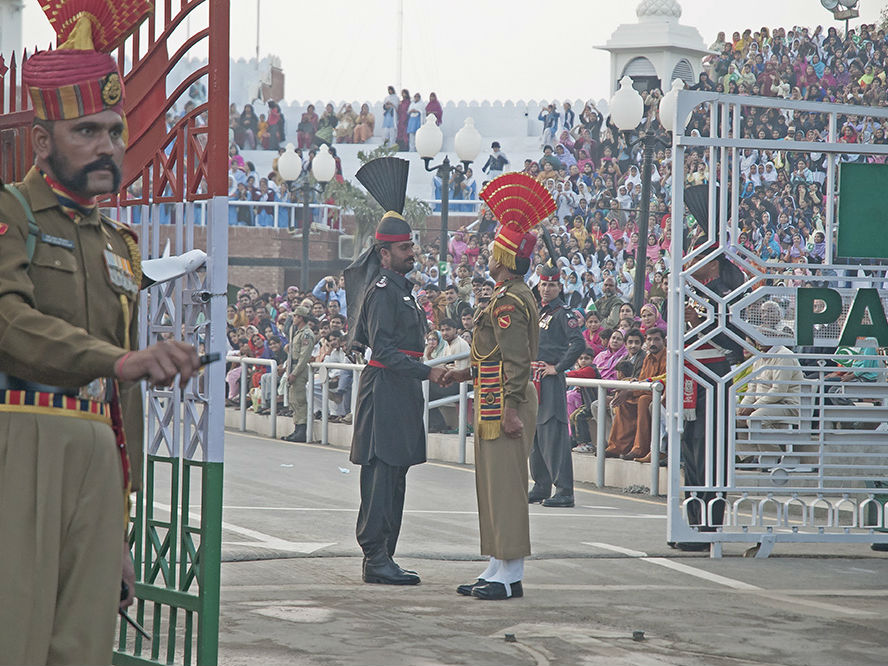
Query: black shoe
point(497, 591)
point(291, 437)
point(692, 546)
point(466, 590)
point(383, 571)
point(564, 501)
point(536, 494)
point(879, 547)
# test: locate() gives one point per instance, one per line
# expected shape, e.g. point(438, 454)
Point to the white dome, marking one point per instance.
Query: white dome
point(658, 8)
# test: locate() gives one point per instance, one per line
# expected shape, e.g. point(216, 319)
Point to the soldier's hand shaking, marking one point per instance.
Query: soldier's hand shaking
point(437, 374)
point(159, 363)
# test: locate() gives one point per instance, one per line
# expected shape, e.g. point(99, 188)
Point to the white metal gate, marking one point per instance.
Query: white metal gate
point(811, 474)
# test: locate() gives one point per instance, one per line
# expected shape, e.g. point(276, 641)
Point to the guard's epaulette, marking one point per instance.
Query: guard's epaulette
point(382, 282)
point(121, 227)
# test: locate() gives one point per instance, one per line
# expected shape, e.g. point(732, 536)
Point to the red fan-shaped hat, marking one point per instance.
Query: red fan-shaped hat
point(519, 203)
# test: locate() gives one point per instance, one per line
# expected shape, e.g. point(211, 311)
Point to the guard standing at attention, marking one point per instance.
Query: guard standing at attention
point(302, 342)
point(561, 343)
point(70, 401)
point(504, 343)
point(389, 434)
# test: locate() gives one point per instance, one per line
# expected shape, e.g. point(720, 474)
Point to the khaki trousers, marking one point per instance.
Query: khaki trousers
point(61, 539)
point(299, 400)
point(501, 483)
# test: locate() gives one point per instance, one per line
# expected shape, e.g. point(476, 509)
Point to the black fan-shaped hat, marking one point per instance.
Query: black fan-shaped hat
point(386, 180)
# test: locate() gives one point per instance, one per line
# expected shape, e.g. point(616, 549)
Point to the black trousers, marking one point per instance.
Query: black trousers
point(693, 452)
point(382, 505)
point(550, 458)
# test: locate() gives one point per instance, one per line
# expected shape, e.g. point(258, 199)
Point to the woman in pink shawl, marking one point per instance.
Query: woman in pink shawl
point(650, 318)
point(403, 107)
point(458, 246)
point(434, 107)
point(592, 333)
point(653, 247)
point(607, 360)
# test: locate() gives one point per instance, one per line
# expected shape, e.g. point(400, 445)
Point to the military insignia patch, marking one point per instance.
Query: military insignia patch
point(111, 89)
point(3, 228)
point(504, 321)
point(503, 308)
point(381, 282)
point(573, 322)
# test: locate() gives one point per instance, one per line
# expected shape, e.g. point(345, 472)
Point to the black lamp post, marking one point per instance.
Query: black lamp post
point(429, 140)
point(626, 108)
point(323, 168)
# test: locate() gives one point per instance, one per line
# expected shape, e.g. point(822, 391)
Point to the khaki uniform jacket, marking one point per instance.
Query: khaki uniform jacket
point(62, 322)
point(301, 345)
point(512, 322)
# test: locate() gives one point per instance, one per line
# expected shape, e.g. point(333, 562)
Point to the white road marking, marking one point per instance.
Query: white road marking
point(547, 514)
point(262, 540)
point(732, 583)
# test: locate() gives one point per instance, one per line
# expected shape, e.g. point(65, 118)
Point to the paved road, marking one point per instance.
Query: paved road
point(292, 592)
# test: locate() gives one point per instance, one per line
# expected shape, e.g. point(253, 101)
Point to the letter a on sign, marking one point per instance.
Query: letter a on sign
point(866, 300)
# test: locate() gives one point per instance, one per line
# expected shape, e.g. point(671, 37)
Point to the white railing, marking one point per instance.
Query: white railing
point(271, 363)
point(462, 398)
point(656, 388)
point(284, 214)
point(456, 206)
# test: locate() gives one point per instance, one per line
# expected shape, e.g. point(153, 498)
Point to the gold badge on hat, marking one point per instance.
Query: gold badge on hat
point(111, 89)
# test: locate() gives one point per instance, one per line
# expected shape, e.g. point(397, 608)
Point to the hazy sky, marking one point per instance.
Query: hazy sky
point(464, 49)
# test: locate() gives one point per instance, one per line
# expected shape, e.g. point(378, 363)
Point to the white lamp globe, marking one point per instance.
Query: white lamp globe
point(323, 166)
point(626, 106)
point(429, 138)
point(289, 163)
point(467, 141)
point(667, 106)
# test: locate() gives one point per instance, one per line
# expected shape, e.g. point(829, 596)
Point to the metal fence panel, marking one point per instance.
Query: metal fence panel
point(812, 473)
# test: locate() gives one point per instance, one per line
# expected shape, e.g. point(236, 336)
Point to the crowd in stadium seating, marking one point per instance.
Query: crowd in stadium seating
point(594, 174)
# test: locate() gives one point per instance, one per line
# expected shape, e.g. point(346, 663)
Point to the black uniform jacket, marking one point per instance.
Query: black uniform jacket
point(561, 343)
point(388, 417)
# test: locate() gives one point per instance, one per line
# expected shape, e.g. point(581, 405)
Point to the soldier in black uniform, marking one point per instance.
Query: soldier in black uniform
point(388, 435)
point(561, 343)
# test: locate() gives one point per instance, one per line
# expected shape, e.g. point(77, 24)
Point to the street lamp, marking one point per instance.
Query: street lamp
point(627, 110)
point(323, 168)
point(429, 140)
point(842, 10)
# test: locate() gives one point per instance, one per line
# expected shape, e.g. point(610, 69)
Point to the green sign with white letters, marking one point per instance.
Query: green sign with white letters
point(863, 211)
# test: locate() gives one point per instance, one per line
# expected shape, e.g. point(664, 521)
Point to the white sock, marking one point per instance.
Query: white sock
point(510, 571)
point(492, 567)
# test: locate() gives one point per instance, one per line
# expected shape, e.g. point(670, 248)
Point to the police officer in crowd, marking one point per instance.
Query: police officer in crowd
point(389, 434)
point(561, 343)
point(302, 342)
point(70, 401)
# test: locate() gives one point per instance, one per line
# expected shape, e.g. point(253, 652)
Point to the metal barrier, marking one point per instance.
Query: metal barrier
point(271, 363)
point(285, 215)
point(356, 369)
point(465, 393)
point(656, 406)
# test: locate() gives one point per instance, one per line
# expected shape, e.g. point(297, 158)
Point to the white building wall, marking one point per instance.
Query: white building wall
point(11, 28)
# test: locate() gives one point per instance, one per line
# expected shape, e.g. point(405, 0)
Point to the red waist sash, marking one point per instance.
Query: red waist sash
point(414, 354)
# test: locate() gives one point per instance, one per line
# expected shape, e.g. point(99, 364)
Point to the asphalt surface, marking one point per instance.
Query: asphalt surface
point(292, 592)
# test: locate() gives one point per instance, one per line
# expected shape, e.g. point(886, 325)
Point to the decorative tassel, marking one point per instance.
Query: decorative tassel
point(503, 256)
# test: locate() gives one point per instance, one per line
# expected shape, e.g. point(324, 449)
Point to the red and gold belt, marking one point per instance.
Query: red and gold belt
point(414, 354)
point(38, 402)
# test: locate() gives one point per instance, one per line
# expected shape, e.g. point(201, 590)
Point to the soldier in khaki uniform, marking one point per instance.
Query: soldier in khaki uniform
point(504, 343)
point(302, 342)
point(69, 280)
